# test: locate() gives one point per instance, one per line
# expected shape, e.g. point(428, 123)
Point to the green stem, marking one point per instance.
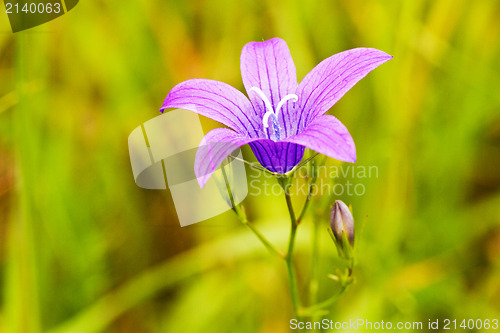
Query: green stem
point(292, 277)
point(293, 225)
point(243, 219)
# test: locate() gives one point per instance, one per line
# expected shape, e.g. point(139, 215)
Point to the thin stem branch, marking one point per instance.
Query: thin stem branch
point(258, 167)
point(307, 160)
point(301, 164)
point(273, 249)
point(306, 203)
point(240, 213)
point(345, 281)
point(326, 303)
point(253, 165)
point(319, 308)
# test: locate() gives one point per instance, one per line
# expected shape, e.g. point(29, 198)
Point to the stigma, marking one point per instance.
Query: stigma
point(271, 113)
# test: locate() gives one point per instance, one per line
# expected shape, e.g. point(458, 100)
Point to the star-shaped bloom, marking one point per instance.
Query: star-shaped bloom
point(281, 117)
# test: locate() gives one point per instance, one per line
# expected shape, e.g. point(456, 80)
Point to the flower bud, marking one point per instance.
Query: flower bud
point(342, 222)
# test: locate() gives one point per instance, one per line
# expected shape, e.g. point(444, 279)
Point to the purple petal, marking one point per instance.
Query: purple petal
point(215, 146)
point(332, 78)
point(216, 100)
point(269, 66)
point(279, 157)
point(328, 136)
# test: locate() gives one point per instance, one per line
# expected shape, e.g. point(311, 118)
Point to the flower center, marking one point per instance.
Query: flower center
point(271, 113)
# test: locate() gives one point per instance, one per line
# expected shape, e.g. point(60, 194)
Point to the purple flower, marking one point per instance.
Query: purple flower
point(282, 117)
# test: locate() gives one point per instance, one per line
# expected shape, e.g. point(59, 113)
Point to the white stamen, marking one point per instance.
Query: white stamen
point(269, 107)
point(283, 101)
point(264, 98)
point(265, 119)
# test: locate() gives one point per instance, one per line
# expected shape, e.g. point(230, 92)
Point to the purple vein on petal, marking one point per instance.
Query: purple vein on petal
point(334, 71)
point(251, 122)
point(269, 66)
point(328, 136)
point(216, 100)
point(326, 77)
point(217, 144)
point(270, 89)
point(332, 92)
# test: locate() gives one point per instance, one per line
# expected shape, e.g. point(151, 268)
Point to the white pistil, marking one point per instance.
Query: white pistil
point(268, 104)
point(294, 99)
point(269, 107)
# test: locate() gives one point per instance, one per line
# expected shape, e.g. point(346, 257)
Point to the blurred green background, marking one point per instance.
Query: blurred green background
point(83, 249)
